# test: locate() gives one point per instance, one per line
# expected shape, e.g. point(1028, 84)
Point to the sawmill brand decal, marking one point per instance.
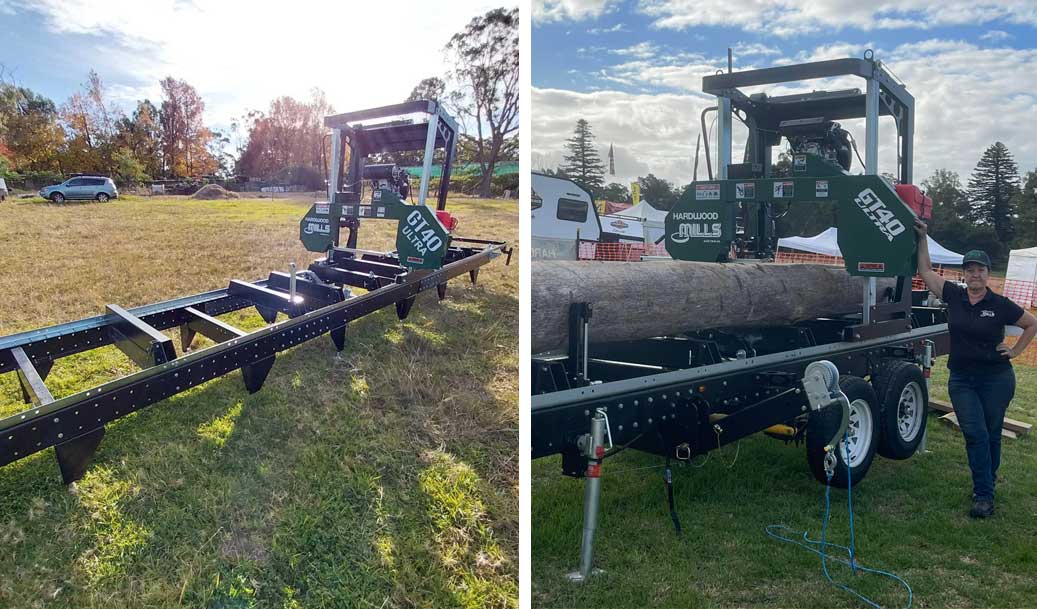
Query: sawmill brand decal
point(707, 192)
point(871, 267)
point(317, 226)
point(745, 190)
point(619, 224)
point(784, 190)
point(821, 189)
point(879, 214)
point(696, 225)
point(420, 234)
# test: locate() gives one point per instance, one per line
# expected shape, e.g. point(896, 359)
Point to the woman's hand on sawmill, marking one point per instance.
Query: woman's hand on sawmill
point(921, 227)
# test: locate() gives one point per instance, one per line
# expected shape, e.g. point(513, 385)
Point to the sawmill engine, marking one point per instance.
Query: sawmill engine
point(818, 136)
point(389, 176)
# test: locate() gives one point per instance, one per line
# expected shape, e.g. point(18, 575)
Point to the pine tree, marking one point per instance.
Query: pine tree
point(993, 184)
point(584, 164)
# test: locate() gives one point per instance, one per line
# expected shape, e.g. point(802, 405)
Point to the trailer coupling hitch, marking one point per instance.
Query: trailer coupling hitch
point(821, 383)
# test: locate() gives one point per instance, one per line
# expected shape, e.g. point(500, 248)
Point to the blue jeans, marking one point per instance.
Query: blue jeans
point(980, 401)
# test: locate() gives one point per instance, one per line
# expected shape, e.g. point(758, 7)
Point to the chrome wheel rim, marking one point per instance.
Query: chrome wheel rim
point(910, 411)
point(860, 433)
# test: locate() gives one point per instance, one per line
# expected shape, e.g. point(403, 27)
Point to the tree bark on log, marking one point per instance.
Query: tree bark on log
point(634, 300)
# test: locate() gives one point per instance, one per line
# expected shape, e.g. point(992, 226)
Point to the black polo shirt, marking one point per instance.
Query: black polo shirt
point(977, 329)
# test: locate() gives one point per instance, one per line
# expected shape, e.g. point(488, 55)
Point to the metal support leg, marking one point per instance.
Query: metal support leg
point(593, 445)
point(927, 368)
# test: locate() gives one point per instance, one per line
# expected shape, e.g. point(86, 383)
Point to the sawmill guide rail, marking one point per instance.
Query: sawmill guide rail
point(75, 424)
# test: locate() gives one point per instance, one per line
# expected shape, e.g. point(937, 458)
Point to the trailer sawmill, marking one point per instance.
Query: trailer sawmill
point(683, 356)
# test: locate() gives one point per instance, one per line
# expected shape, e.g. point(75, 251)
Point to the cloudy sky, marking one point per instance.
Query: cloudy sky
point(634, 68)
point(238, 54)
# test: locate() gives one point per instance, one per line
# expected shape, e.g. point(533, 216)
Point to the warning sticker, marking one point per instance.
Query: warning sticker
point(707, 192)
point(380, 212)
point(821, 189)
point(799, 162)
point(377, 195)
point(783, 190)
point(871, 267)
point(323, 209)
point(745, 190)
point(364, 211)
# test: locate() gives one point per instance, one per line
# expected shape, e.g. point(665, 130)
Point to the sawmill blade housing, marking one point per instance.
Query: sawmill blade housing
point(358, 190)
point(732, 213)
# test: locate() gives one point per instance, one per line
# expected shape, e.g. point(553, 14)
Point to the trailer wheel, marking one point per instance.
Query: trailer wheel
point(862, 433)
point(904, 401)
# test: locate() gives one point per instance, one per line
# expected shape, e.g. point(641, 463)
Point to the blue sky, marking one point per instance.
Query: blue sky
point(238, 54)
point(634, 68)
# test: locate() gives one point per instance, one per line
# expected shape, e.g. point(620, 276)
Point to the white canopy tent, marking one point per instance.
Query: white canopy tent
point(1022, 267)
point(827, 243)
point(641, 220)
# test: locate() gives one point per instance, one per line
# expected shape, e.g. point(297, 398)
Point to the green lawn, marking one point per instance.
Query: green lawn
point(910, 518)
point(384, 478)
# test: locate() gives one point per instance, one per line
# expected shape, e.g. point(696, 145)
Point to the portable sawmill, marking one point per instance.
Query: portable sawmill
point(713, 357)
point(317, 301)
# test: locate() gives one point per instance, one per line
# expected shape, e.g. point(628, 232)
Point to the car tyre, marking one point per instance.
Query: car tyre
point(102, 197)
point(904, 402)
point(863, 433)
point(57, 197)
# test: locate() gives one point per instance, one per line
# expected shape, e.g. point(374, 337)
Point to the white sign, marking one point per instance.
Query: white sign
point(707, 192)
point(821, 189)
point(783, 190)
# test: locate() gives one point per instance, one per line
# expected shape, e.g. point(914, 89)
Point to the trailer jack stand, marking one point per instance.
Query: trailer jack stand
point(593, 446)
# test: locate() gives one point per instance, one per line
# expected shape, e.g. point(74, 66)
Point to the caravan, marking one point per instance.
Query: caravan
point(563, 215)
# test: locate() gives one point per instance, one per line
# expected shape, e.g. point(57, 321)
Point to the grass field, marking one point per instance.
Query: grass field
point(386, 478)
point(910, 518)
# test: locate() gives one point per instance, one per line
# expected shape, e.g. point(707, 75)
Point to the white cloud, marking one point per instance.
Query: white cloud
point(996, 36)
point(548, 11)
point(619, 27)
point(966, 98)
point(788, 18)
point(748, 49)
point(651, 133)
point(642, 50)
point(240, 55)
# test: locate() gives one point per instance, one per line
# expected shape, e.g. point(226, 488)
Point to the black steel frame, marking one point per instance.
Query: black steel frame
point(666, 392)
point(75, 424)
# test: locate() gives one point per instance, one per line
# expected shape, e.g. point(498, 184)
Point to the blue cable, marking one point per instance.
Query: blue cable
point(852, 563)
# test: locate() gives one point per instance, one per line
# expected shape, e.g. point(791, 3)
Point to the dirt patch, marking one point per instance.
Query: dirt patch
point(212, 192)
point(242, 546)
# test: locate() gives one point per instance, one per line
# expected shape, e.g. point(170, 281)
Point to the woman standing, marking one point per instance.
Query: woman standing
point(982, 381)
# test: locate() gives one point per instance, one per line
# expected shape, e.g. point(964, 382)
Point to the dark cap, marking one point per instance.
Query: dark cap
point(976, 256)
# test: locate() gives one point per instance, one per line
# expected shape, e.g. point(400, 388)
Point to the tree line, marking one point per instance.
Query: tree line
point(168, 139)
point(995, 211)
point(88, 133)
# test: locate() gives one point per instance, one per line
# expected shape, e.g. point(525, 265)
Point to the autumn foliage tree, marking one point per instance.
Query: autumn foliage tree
point(185, 138)
point(289, 135)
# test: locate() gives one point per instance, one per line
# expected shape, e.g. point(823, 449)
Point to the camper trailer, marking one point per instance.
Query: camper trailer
point(564, 215)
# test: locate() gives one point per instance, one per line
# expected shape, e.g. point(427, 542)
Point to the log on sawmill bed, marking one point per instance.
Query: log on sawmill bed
point(634, 300)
